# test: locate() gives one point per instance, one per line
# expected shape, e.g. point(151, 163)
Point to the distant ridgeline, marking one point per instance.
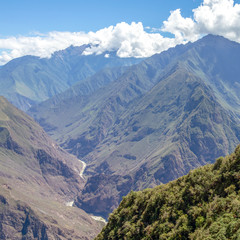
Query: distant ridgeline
point(29, 80)
point(205, 204)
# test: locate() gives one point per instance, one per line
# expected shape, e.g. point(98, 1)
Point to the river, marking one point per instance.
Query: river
point(70, 204)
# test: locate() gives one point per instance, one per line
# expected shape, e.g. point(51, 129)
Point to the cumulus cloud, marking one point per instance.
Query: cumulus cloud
point(220, 17)
point(182, 28)
point(129, 40)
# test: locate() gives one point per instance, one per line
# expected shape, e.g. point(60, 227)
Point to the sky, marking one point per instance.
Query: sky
point(133, 28)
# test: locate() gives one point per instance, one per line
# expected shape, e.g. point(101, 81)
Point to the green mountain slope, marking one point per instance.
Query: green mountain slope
point(205, 204)
point(171, 113)
point(37, 179)
point(29, 80)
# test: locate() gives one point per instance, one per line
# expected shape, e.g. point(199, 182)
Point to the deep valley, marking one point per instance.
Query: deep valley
point(98, 127)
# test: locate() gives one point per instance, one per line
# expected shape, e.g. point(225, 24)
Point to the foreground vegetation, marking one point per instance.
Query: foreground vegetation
point(205, 204)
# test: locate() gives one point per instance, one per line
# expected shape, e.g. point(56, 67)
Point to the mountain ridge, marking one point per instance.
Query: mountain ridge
point(160, 118)
point(29, 80)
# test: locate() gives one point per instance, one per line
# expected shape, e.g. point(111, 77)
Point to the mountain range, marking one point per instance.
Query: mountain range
point(38, 181)
point(29, 80)
point(148, 123)
point(136, 123)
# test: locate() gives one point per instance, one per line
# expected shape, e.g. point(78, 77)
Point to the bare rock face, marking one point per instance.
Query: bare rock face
point(22, 223)
point(102, 193)
point(19, 221)
point(7, 141)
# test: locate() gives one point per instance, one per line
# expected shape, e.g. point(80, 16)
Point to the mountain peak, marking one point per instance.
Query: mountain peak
point(71, 50)
point(215, 41)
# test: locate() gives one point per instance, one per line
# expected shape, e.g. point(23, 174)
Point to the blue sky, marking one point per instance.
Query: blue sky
point(22, 17)
point(132, 28)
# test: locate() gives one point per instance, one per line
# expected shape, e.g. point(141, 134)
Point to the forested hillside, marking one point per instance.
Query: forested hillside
point(205, 204)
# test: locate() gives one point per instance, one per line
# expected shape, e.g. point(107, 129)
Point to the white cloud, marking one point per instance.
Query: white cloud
point(129, 40)
point(182, 28)
point(221, 17)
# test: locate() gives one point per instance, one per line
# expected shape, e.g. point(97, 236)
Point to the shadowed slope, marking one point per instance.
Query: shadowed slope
point(37, 178)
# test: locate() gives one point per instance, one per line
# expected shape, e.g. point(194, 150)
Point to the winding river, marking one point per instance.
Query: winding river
point(70, 204)
point(83, 168)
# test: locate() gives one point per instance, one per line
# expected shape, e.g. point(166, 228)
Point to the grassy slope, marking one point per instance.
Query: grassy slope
point(205, 204)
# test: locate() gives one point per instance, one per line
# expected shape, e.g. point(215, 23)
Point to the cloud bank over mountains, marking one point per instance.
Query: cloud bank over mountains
point(220, 17)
